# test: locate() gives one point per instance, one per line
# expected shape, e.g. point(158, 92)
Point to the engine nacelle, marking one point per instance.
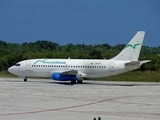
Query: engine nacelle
point(58, 76)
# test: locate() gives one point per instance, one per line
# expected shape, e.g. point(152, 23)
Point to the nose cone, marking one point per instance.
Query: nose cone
point(12, 70)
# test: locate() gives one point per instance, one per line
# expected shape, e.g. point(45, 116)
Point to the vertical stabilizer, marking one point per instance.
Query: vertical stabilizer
point(132, 50)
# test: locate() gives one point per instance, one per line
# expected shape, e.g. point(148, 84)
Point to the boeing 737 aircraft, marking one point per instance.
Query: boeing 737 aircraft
point(76, 70)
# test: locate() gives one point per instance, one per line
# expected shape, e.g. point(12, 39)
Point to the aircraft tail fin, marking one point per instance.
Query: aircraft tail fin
point(132, 50)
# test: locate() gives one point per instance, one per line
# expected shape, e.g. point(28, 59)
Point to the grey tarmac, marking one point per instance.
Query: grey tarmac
point(45, 99)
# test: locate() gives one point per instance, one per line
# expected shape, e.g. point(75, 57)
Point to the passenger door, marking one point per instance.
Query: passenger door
point(111, 67)
point(28, 65)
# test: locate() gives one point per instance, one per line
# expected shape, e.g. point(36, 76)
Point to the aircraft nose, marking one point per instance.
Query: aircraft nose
point(11, 70)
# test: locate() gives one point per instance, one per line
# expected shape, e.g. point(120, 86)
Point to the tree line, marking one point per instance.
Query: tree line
point(11, 53)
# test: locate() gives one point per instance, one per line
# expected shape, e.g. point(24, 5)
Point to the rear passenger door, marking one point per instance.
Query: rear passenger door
point(111, 67)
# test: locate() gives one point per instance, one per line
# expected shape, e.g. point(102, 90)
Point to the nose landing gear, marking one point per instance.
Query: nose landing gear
point(25, 79)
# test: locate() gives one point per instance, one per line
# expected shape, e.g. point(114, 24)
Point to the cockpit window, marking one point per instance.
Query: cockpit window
point(17, 64)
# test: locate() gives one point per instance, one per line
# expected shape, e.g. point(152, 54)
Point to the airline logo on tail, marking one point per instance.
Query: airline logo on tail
point(132, 46)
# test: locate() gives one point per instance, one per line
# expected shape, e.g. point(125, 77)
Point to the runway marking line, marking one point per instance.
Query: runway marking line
point(64, 108)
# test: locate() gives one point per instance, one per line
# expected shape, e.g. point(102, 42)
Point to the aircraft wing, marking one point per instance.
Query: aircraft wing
point(70, 72)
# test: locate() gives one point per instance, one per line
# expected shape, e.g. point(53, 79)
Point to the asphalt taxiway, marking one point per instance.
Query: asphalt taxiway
point(44, 99)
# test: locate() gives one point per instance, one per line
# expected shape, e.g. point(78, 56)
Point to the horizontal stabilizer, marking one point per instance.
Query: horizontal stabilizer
point(145, 61)
point(133, 63)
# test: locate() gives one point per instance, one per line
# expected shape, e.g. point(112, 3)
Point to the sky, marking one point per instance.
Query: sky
point(79, 21)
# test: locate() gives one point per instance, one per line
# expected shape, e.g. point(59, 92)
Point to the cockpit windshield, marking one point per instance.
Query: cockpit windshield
point(17, 64)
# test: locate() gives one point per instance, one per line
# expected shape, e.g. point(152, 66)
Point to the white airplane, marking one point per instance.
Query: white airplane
point(76, 70)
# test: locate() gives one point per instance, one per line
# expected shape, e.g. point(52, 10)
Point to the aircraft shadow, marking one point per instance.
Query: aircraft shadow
point(67, 83)
point(84, 83)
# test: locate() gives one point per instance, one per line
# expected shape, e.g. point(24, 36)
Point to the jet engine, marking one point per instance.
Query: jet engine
point(58, 76)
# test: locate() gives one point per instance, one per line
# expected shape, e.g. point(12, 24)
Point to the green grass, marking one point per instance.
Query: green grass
point(6, 74)
point(136, 76)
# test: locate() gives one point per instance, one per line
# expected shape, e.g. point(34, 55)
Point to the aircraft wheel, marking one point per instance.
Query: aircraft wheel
point(79, 81)
point(99, 118)
point(94, 118)
point(73, 81)
point(25, 79)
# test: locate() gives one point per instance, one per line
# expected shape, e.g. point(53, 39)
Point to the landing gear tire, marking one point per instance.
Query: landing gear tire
point(25, 79)
point(73, 81)
point(80, 81)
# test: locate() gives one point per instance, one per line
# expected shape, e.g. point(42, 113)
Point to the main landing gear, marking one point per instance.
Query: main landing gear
point(80, 81)
point(73, 81)
point(25, 79)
